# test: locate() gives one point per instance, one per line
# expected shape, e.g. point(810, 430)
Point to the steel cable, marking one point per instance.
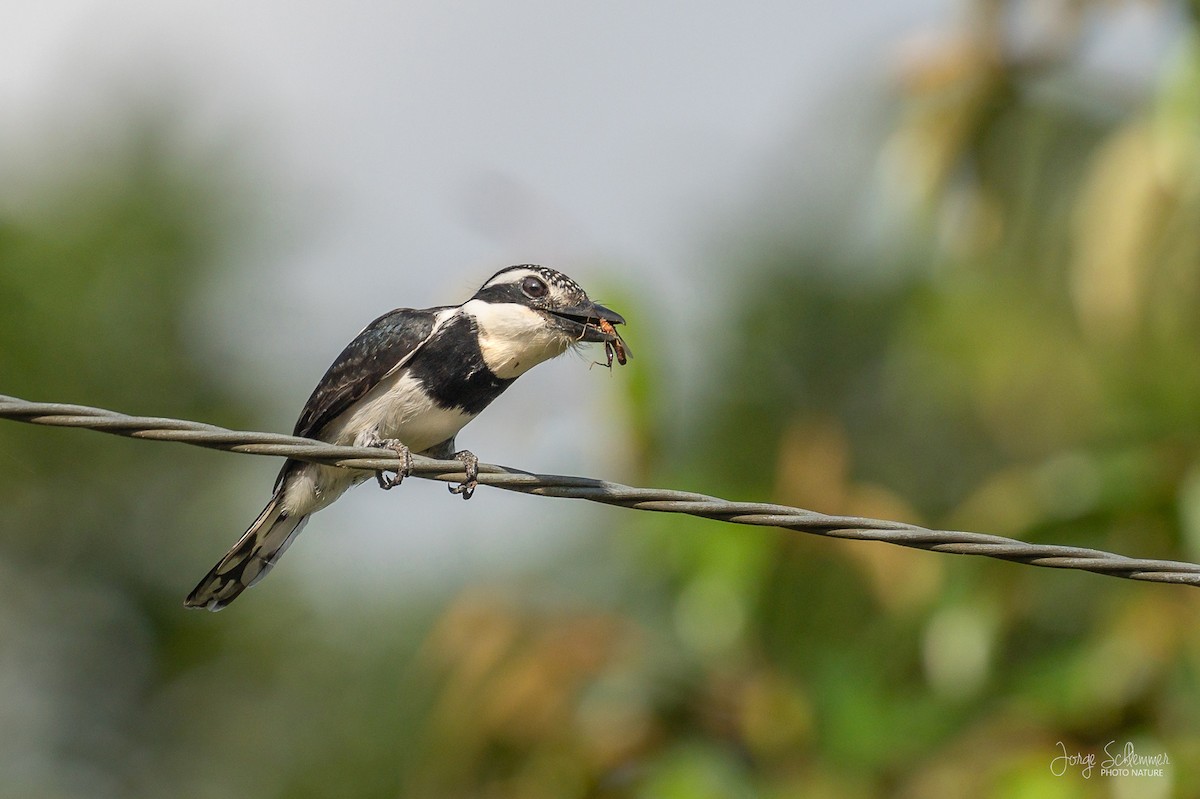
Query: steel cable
point(649, 499)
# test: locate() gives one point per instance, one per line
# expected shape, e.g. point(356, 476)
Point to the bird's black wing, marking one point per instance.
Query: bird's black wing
point(382, 347)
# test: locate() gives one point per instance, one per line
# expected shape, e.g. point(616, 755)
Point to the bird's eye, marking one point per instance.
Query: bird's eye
point(534, 287)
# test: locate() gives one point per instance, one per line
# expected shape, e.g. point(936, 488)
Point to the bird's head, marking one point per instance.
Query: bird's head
point(527, 314)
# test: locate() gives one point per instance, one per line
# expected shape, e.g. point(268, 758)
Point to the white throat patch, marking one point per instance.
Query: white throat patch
point(514, 338)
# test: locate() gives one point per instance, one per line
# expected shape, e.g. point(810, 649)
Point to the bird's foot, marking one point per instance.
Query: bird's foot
point(389, 481)
point(471, 466)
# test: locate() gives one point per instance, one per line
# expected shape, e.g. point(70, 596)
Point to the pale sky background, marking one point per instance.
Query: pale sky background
point(405, 151)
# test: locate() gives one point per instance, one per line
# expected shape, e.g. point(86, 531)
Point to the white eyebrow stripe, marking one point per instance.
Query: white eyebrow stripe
point(512, 276)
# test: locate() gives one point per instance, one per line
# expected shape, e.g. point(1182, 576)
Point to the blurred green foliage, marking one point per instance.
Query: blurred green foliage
point(1025, 361)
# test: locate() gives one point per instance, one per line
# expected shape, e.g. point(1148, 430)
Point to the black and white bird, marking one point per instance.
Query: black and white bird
point(409, 382)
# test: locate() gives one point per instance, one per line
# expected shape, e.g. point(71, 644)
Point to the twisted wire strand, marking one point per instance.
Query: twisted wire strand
point(649, 499)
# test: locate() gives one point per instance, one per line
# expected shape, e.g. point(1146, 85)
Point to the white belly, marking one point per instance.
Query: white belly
point(396, 408)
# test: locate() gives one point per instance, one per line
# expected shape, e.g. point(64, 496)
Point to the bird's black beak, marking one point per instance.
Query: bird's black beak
point(590, 322)
point(598, 313)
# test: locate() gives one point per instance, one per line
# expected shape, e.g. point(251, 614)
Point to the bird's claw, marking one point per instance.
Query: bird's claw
point(390, 481)
point(471, 468)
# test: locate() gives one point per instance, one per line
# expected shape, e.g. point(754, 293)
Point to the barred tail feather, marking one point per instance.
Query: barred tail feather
point(250, 559)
